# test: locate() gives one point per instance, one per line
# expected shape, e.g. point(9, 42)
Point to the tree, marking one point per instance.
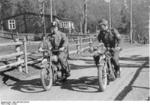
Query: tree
point(5, 11)
point(124, 25)
point(29, 21)
point(140, 16)
point(5, 8)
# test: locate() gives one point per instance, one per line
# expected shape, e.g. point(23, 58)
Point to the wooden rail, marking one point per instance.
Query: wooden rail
point(10, 55)
point(10, 44)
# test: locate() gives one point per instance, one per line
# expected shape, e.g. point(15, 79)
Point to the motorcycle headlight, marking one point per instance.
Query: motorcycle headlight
point(54, 58)
point(44, 63)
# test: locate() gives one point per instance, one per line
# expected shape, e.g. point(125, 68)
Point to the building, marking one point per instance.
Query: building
point(31, 23)
point(65, 25)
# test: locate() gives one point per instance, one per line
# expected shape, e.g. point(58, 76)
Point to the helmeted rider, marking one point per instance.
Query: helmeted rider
point(111, 40)
point(57, 40)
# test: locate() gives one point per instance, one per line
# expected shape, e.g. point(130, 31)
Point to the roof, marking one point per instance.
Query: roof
point(36, 14)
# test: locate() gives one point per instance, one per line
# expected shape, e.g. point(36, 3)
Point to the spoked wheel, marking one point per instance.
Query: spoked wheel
point(47, 77)
point(102, 77)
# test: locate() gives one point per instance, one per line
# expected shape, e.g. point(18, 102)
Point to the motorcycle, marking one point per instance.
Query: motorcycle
point(105, 67)
point(52, 69)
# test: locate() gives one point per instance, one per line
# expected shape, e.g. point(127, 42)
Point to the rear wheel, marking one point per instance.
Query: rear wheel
point(102, 76)
point(47, 77)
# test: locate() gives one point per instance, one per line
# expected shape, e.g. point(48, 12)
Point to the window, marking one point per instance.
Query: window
point(11, 24)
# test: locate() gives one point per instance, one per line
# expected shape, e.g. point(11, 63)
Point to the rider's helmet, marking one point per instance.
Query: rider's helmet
point(53, 27)
point(54, 24)
point(103, 22)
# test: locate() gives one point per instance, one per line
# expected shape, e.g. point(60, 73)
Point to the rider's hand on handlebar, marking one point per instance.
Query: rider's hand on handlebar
point(62, 49)
point(40, 49)
point(44, 50)
point(118, 48)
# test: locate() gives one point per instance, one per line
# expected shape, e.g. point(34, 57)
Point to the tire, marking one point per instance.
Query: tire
point(112, 73)
point(47, 78)
point(102, 77)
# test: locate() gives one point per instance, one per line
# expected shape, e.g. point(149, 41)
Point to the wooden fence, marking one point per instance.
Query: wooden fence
point(76, 46)
point(17, 54)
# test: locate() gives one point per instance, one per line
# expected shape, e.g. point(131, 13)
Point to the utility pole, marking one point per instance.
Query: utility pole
point(44, 25)
point(42, 15)
point(82, 19)
point(81, 26)
point(85, 16)
point(131, 23)
point(51, 10)
point(54, 9)
point(109, 14)
point(1, 19)
point(149, 23)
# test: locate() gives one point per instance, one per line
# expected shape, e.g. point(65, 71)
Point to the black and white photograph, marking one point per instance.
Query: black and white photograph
point(74, 50)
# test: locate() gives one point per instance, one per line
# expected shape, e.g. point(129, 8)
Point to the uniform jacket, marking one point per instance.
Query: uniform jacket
point(55, 41)
point(110, 38)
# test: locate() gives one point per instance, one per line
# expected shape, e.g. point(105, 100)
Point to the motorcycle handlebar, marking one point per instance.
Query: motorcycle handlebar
point(56, 50)
point(50, 50)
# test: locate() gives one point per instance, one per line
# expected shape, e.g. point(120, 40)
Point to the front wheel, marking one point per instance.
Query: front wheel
point(102, 76)
point(47, 77)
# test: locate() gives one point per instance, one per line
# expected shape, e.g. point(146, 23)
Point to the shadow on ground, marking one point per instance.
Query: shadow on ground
point(26, 86)
point(134, 58)
point(130, 86)
point(87, 84)
point(83, 84)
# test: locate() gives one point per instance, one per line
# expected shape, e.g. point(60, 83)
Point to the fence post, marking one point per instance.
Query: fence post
point(78, 45)
point(12, 35)
point(25, 55)
point(26, 37)
point(17, 35)
point(90, 41)
point(18, 58)
point(94, 38)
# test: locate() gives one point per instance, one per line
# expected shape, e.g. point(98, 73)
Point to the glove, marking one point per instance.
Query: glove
point(62, 48)
point(40, 49)
point(118, 48)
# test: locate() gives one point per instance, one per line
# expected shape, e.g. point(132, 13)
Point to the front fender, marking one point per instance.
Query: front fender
point(102, 60)
point(44, 63)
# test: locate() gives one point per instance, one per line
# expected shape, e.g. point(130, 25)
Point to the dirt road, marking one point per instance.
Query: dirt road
point(82, 84)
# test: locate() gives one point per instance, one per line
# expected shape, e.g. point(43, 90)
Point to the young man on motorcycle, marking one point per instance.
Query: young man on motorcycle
point(57, 40)
point(111, 40)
